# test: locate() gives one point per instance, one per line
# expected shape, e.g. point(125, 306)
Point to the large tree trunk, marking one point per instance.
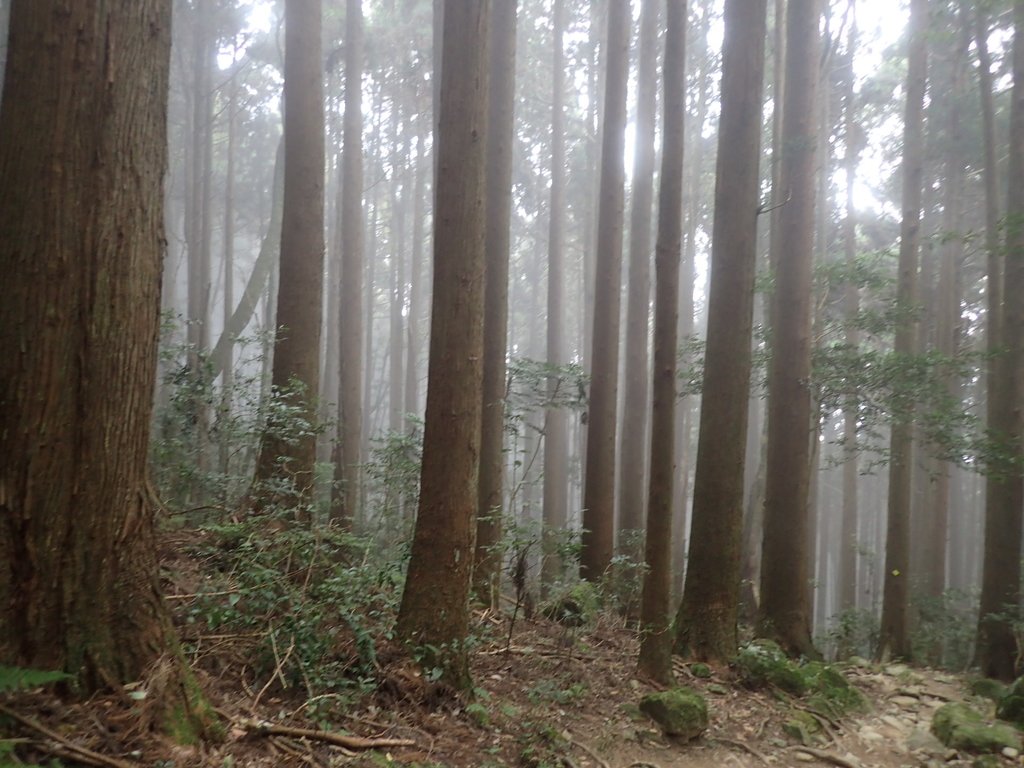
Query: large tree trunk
point(655, 658)
point(434, 615)
point(556, 442)
point(1000, 586)
point(706, 621)
point(350, 427)
point(895, 640)
point(633, 444)
point(500, 139)
point(599, 491)
point(784, 612)
point(81, 211)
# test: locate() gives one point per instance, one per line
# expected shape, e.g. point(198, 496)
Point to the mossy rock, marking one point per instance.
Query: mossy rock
point(832, 694)
point(802, 726)
point(986, 761)
point(960, 727)
point(988, 688)
point(762, 663)
point(574, 607)
point(1010, 706)
point(679, 712)
point(699, 670)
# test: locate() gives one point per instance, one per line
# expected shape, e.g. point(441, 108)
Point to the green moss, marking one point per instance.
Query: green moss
point(701, 671)
point(1010, 706)
point(988, 688)
point(960, 727)
point(762, 663)
point(831, 693)
point(802, 726)
point(192, 718)
point(986, 761)
point(679, 712)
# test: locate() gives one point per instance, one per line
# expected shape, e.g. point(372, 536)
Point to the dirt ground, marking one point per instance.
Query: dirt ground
point(547, 696)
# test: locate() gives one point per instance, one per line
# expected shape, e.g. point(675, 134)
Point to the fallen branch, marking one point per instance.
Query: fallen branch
point(828, 757)
point(70, 749)
point(329, 737)
point(600, 761)
point(742, 747)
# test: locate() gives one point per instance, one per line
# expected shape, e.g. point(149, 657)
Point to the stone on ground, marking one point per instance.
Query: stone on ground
point(679, 712)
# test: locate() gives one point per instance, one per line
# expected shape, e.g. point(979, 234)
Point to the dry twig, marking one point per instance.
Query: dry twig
point(600, 761)
point(741, 746)
point(828, 757)
point(329, 737)
point(69, 749)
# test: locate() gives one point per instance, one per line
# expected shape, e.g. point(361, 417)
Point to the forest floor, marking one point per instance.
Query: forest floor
point(547, 696)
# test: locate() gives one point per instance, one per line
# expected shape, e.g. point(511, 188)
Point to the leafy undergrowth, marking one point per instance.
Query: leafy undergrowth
point(294, 649)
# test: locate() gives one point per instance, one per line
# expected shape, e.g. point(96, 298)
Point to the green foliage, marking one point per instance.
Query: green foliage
point(853, 632)
point(13, 679)
point(315, 600)
point(543, 748)
point(947, 625)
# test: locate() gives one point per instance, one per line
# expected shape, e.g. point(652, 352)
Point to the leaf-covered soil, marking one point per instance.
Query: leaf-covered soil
point(547, 695)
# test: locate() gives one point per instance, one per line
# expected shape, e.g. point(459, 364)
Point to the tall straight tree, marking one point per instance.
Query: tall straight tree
point(633, 453)
point(599, 488)
point(500, 140)
point(434, 614)
point(851, 308)
point(706, 621)
point(784, 612)
point(556, 438)
point(296, 371)
point(996, 652)
point(83, 132)
point(894, 640)
point(655, 639)
point(350, 425)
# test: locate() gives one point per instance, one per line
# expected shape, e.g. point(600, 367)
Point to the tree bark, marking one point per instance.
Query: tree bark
point(599, 490)
point(706, 621)
point(655, 658)
point(894, 639)
point(784, 612)
point(633, 444)
point(500, 140)
point(347, 474)
point(434, 615)
point(81, 212)
point(996, 652)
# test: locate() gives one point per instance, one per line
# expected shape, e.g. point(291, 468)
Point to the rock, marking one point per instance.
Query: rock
point(924, 741)
point(802, 726)
point(763, 663)
point(679, 712)
point(804, 757)
point(870, 734)
point(832, 693)
point(699, 670)
point(986, 761)
point(988, 688)
point(716, 688)
point(894, 722)
point(897, 670)
point(960, 727)
point(905, 701)
point(1011, 705)
point(1011, 753)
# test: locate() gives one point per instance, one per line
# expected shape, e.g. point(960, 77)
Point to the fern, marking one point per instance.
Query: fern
point(20, 679)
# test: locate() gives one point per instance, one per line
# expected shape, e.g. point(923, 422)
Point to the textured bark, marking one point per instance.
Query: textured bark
point(434, 615)
point(556, 438)
point(706, 621)
point(848, 544)
point(599, 489)
point(82, 159)
point(894, 640)
point(348, 455)
point(784, 612)
point(412, 380)
point(500, 139)
point(633, 442)
point(655, 658)
point(996, 652)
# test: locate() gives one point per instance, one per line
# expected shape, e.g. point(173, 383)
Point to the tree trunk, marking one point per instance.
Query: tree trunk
point(655, 622)
point(599, 491)
point(784, 613)
point(500, 139)
point(706, 621)
point(633, 444)
point(894, 640)
point(296, 372)
point(996, 652)
point(434, 615)
point(81, 210)
point(347, 473)
point(556, 445)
